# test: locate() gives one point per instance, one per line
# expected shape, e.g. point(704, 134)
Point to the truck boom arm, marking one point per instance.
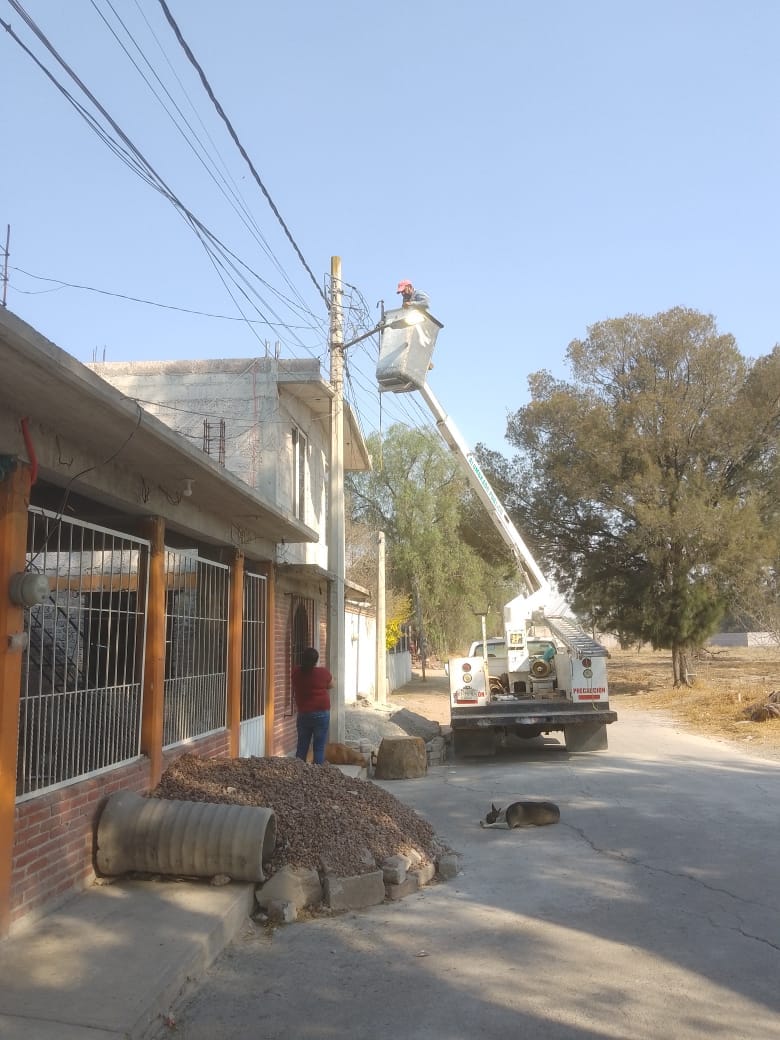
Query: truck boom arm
point(485, 492)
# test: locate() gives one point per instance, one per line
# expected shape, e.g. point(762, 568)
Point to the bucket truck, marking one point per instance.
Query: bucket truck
point(549, 675)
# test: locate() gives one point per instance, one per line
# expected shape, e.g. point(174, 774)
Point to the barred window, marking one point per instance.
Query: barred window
point(82, 668)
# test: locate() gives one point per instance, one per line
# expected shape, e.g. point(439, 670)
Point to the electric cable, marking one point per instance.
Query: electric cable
point(207, 87)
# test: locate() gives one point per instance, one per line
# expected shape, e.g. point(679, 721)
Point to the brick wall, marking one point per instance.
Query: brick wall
point(285, 736)
point(55, 832)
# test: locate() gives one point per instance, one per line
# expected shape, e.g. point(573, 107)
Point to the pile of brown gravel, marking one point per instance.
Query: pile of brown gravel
point(324, 819)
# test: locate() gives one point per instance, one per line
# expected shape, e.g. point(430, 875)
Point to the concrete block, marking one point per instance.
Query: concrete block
point(413, 882)
point(395, 868)
point(354, 893)
point(298, 885)
point(407, 887)
point(448, 866)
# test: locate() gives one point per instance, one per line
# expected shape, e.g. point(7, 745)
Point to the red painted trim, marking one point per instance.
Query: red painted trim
point(30, 450)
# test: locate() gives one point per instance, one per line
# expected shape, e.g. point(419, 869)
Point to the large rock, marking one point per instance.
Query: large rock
point(401, 758)
point(355, 893)
point(297, 885)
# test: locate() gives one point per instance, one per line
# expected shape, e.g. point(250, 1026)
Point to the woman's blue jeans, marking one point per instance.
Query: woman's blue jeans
point(312, 725)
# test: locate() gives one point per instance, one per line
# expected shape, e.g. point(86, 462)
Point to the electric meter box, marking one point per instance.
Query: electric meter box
point(406, 345)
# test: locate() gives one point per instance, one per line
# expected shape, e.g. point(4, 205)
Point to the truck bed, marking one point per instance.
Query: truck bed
point(528, 711)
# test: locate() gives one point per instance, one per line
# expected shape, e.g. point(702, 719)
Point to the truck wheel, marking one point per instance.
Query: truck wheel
point(587, 736)
point(471, 743)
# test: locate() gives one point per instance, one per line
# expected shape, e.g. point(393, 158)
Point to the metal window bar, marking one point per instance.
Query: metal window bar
point(82, 668)
point(196, 636)
point(253, 644)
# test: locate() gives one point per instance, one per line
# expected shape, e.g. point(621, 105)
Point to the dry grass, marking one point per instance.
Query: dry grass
point(728, 683)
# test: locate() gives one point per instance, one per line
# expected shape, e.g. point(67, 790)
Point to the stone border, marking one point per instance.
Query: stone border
point(293, 889)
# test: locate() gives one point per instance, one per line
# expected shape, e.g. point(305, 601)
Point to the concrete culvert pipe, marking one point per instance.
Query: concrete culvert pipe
point(196, 839)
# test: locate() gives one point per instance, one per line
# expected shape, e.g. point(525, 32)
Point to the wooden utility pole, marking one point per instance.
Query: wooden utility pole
point(336, 537)
point(14, 500)
point(420, 631)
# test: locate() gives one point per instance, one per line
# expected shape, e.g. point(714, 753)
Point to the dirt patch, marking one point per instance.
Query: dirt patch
point(729, 685)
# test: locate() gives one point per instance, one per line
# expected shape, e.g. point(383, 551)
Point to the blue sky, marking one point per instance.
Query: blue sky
point(535, 167)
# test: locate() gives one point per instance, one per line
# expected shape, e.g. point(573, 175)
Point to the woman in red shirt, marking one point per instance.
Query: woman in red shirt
point(311, 683)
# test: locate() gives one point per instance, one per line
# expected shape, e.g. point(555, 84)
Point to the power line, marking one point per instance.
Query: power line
point(207, 86)
point(193, 140)
point(135, 159)
point(60, 284)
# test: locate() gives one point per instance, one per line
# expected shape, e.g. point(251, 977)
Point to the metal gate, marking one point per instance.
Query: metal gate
point(253, 666)
point(196, 636)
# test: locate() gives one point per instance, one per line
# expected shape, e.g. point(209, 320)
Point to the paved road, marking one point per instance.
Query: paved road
point(651, 911)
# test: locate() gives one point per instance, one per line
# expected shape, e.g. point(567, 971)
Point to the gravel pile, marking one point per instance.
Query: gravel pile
point(372, 724)
point(324, 819)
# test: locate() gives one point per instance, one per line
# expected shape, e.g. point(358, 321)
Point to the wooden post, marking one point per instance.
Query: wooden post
point(269, 707)
point(14, 499)
point(235, 631)
point(154, 664)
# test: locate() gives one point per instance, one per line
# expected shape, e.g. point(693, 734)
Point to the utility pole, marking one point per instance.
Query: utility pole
point(381, 621)
point(336, 537)
point(6, 255)
point(420, 630)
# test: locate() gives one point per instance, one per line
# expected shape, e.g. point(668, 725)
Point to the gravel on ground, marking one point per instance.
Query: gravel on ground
point(324, 819)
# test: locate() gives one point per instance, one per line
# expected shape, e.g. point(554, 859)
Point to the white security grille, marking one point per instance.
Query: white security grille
point(196, 630)
point(82, 671)
point(253, 668)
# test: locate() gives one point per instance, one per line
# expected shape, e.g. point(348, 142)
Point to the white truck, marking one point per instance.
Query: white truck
point(550, 675)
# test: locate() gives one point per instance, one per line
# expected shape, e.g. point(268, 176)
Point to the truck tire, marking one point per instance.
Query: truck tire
point(471, 743)
point(586, 736)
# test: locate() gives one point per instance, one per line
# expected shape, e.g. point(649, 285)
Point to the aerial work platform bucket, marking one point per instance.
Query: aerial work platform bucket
point(406, 345)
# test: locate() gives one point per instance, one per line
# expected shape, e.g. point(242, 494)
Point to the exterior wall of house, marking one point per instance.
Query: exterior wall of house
point(360, 653)
point(48, 820)
point(259, 414)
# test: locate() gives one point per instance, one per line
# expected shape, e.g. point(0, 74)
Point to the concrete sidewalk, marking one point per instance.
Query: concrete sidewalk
point(111, 961)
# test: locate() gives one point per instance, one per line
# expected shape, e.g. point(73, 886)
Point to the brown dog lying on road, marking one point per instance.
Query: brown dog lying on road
point(522, 814)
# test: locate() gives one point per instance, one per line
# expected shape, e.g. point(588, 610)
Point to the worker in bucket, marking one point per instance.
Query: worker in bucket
point(412, 297)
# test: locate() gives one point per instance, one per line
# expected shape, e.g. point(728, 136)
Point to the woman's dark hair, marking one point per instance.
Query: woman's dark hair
point(309, 658)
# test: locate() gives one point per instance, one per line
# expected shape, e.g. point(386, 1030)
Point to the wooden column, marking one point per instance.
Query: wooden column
point(154, 663)
point(269, 571)
point(235, 632)
point(14, 499)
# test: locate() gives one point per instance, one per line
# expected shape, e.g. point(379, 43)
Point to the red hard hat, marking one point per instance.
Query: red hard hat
point(404, 285)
